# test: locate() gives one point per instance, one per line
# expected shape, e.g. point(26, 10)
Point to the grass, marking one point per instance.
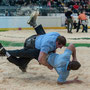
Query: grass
point(80, 38)
point(80, 44)
point(17, 44)
point(9, 43)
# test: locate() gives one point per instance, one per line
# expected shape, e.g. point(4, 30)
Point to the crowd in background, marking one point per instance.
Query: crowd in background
point(54, 5)
point(75, 5)
point(44, 2)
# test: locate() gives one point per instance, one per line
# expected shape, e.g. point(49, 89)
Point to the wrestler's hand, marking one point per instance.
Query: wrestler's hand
point(50, 67)
point(77, 81)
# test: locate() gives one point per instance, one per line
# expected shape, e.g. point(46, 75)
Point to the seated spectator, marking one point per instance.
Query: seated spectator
point(75, 8)
point(20, 2)
point(70, 4)
point(87, 10)
point(0, 2)
point(49, 3)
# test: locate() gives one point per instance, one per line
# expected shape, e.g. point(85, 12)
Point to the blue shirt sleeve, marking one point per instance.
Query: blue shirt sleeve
point(63, 74)
point(45, 49)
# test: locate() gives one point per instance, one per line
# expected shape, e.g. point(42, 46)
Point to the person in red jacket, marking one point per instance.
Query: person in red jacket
point(75, 8)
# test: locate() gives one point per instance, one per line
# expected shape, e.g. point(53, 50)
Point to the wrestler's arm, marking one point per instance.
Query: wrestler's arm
point(42, 60)
point(73, 49)
point(75, 80)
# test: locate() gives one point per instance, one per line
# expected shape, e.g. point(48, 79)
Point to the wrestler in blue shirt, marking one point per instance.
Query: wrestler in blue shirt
point(47, 43)
point(62, 64)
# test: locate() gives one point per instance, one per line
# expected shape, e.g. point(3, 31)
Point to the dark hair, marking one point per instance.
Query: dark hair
point(61, 40)
point(74, 65)
point(82, 11)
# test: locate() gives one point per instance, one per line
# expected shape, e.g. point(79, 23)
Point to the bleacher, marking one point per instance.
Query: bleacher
point(11, 9)
point(24, 9)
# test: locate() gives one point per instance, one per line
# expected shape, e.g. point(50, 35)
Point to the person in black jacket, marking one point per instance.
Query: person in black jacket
point(69, 20)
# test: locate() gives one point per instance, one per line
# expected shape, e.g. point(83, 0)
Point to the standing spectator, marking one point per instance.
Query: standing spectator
point(78, 24)
point(75, 24)
point(69, 20)
point(83, 20)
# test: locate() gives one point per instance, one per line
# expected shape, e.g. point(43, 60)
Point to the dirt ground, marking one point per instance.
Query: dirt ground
point(39, 77)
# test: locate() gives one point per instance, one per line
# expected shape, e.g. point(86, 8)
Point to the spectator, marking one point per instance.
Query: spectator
point(78, 26)
point(71, 3)
point(87, 10)
point(83, 20)
point(0, 2)
point(75, 24)
point(75, 8)
point(20, 2)
point(7, 13)
point(69, 20)
point(49, 3)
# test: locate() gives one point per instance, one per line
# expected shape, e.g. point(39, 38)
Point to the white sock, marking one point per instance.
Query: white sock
point(35, 26)
point(7, 54)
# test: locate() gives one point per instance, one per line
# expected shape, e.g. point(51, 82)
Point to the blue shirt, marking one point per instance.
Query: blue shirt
point(60, 63)
point(46, 42)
